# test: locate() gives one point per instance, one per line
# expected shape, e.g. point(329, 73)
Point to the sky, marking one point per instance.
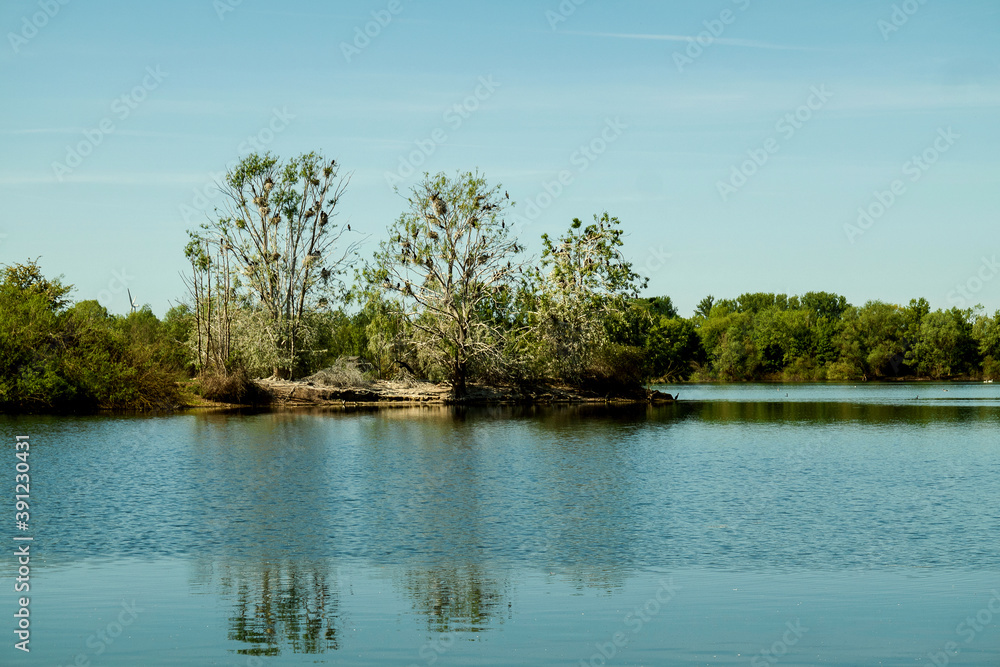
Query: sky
point(745, 145)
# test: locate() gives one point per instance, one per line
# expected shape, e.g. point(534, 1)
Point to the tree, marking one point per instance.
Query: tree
point(57, 356)
point(661, 306)
point(585, 292)
point(986, 333)
point(873, 342)
point(944, 344)
point(450, 267)
point(31, 340)
point(672, 347)
point(276, 250)
point(824, 304)
point(704, 308)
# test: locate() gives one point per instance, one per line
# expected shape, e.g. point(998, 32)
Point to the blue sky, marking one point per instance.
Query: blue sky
point(689, 143)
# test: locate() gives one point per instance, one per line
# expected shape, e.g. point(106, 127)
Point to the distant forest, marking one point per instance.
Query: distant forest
point(277, 288)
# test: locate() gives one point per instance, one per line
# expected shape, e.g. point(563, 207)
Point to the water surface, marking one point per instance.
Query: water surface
point(837, 525)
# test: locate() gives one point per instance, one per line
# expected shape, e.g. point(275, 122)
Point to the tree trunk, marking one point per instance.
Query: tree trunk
point(458, 386)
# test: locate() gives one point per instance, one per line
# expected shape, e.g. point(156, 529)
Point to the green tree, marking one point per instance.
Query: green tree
point(449, 270)
point(824, 304)
point(31, 341)
point(945, 345)
point(661, 306)
point(704, 308)
point(58, 356)
point(736, 357)
point(276, 250)
point(584, 309)
point(672, 348)
point(872, 342)
point(986, 333)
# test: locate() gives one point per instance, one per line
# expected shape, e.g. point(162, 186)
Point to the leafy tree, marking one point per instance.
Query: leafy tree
point(27, 281)
point(704, 308)
point(661, 306)
point(756, 302)
point(586, 291)
point(276, 250)
point(450, 266)
point(31, 306)
point(672, 347)
point(915, 313)
point(945, 345)
point(59, 357)
point(986, 333)
point(872, 342)
point(736, 356)
point(824, 304)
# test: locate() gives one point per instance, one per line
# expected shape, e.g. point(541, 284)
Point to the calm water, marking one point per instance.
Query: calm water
point(826, 525)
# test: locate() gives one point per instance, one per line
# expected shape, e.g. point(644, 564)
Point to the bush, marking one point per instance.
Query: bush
point(617, 370)
point(346, 372)
point(234, 386)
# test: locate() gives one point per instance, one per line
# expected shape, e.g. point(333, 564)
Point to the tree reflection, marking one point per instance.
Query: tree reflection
point(282, 604)
point(463, 598)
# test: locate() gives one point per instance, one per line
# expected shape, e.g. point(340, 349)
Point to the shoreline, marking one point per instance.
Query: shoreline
point(301, 393)
point(295, 394)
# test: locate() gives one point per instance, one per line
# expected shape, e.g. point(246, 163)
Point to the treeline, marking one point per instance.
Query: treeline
point(55, 355)
point(819, 336)
point(277, 288)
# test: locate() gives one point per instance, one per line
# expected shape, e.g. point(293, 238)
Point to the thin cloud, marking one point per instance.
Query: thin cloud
point(725, 41)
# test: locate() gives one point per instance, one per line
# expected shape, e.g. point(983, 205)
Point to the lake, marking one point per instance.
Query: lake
point(744, 525)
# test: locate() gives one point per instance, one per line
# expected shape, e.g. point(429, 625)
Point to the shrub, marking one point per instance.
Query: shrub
point(234, 386)
point(345, 372)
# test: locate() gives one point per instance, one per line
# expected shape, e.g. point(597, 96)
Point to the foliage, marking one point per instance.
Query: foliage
point(271, 259)
point(672, 348)
point(873, 343)
point(585, 291)
point(448, 270)
point(61, 357)
point(945, 345)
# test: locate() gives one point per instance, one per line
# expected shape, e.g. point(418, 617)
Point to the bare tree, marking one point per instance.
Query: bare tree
point(210, 288)
point(281, 247)
point(450, 265)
